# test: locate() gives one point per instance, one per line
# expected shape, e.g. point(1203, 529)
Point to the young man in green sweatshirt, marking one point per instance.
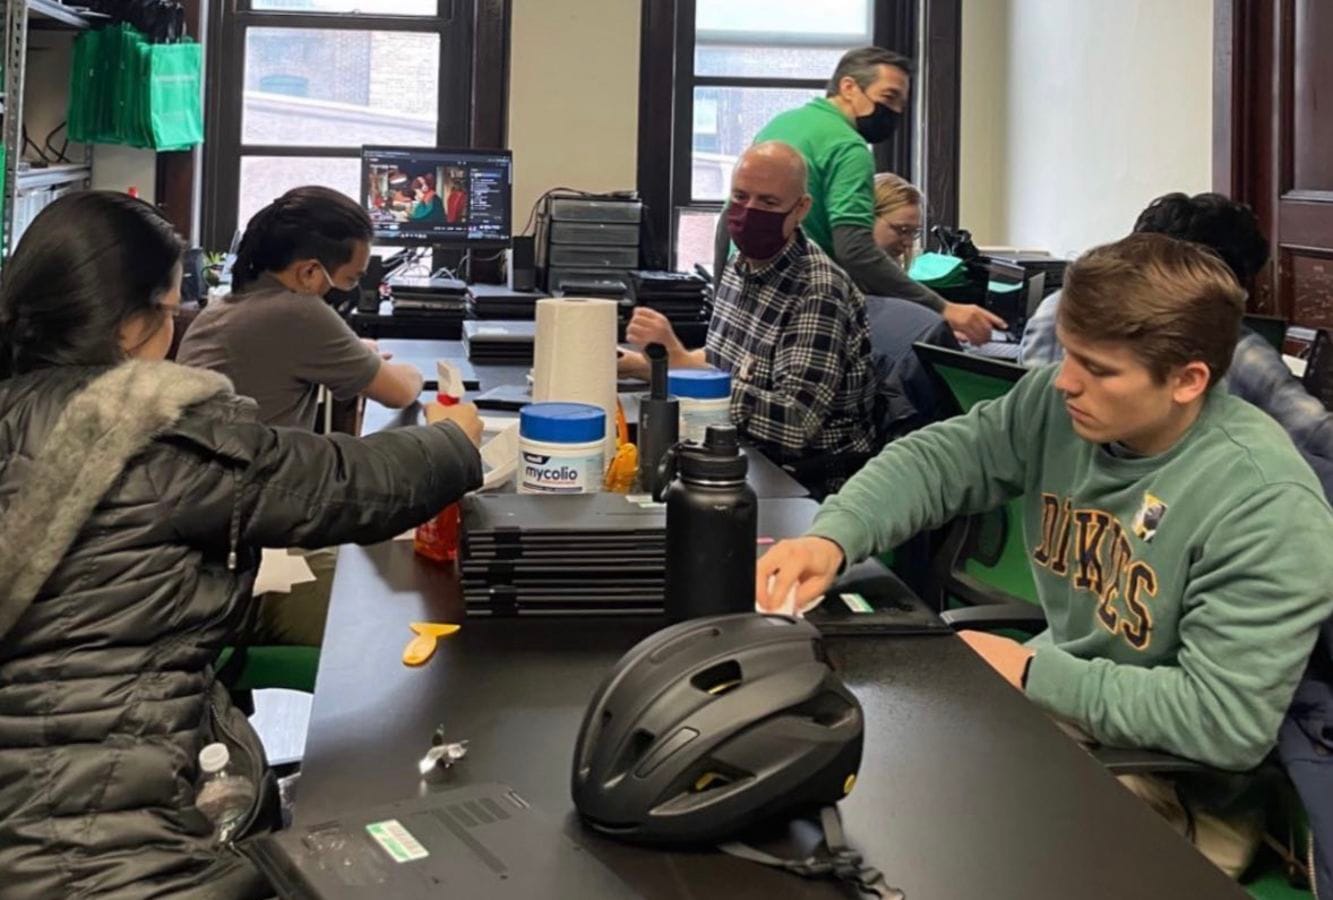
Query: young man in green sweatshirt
point(1182, 549)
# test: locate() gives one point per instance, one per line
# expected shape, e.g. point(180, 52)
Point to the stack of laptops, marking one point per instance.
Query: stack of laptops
point(496, 301)
point(583, 554)
point(590, 553)
point(437, 297)
point(680, 296)
point(499, 341)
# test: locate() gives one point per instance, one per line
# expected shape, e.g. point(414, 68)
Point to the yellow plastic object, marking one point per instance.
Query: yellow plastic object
point(624, 466)
point(422, 647)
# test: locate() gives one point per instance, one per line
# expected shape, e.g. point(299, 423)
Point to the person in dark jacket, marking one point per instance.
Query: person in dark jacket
point(135, 495)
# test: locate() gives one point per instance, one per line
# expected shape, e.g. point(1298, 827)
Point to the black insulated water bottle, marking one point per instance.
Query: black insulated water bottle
point(712, 522)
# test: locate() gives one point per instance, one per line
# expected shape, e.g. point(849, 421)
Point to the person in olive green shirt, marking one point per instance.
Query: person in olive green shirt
point(865, 100)
point(1182, 549)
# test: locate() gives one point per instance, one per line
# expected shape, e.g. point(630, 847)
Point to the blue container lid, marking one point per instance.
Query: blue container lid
point(562, 423)
point(699, 384)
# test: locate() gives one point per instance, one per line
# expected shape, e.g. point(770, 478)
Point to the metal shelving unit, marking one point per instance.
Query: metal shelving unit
point(58, 13)
point(53, 176)
point(19, 17)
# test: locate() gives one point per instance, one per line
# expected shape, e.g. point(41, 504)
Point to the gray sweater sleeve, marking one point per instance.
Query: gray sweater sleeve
point(874, 272)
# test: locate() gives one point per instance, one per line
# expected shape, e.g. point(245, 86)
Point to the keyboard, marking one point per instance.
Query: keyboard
point(998, 350)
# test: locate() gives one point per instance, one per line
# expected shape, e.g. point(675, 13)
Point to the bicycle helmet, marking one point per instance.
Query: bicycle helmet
point(712, 725)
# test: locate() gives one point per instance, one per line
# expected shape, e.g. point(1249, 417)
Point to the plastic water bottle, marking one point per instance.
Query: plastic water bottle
point(223, 797)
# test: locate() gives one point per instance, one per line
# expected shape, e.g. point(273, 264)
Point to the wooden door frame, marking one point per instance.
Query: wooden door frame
point(1253, 131)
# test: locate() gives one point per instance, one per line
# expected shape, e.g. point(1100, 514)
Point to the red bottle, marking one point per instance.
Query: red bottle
point(438, 539)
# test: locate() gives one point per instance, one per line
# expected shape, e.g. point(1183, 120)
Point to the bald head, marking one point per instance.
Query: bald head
point(768, 186)
point(777, 166)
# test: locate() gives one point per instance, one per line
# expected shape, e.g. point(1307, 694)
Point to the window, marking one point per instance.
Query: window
point(713, 72)
point(320, 78)
point(739, 63)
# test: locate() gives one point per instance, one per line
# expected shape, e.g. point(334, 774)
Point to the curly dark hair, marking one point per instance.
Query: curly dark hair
point(1229, 229)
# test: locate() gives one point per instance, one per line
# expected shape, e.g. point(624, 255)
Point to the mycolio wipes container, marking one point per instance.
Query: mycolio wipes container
point(705, 399)
point(561, 448)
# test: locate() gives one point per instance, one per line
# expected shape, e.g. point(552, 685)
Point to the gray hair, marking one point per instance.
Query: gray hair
point(862, 65)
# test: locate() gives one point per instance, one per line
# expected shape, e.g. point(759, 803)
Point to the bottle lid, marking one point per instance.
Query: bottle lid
point(718, 459)
point(699, 384)
point(562, 423)
point(214, 758)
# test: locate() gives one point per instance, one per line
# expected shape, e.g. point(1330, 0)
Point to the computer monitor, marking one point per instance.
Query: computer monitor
point(1013, 293)
point(432, 196)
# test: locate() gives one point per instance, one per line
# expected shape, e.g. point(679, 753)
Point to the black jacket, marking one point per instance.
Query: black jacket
point(133, 502)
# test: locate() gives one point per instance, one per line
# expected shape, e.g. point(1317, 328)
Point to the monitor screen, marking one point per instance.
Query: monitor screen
point(418, 195)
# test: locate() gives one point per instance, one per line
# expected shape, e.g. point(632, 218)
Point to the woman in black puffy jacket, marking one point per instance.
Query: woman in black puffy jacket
point(134, 497)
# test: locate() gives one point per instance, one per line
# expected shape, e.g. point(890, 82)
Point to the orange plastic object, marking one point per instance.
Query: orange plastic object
point(422, 647)
point(624, 466)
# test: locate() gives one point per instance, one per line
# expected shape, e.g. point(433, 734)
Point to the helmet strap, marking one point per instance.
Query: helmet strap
point(841, 862)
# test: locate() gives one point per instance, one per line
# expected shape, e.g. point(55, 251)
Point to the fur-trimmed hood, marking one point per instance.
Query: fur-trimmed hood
point(104, 425)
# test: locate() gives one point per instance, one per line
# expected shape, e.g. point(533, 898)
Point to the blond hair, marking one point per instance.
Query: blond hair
point(1172, 302)
point(893, 192)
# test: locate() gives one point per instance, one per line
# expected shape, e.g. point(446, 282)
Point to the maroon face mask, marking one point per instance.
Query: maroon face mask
point(757, 232)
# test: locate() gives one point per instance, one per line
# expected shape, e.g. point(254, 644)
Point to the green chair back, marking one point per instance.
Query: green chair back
point(275, 666)
point(986, 550)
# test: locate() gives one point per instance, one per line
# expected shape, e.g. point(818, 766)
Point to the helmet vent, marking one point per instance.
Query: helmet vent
point(718, 679)
point(711, 781)
point(640, 741)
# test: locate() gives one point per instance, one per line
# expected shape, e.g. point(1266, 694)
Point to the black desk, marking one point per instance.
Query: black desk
point(966, 791)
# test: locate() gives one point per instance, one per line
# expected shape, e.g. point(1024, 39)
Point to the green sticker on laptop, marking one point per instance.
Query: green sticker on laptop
point(856, 603)
point(397, 841)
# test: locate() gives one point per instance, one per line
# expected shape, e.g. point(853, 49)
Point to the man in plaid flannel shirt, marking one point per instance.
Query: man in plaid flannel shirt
point(790, 327)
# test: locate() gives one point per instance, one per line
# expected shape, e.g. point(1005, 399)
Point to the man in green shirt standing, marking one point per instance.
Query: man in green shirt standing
point(1182, 549)
point(865, 101)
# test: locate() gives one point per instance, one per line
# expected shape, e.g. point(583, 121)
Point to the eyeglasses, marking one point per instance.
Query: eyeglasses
point(907, 231)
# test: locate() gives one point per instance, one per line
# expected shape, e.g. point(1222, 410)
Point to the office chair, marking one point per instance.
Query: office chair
point(1272, 329)
point(983, 559)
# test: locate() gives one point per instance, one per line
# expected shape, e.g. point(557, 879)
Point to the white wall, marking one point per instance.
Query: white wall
point(1107, 104)
point(117, 168)
point(573, 97)
point(982, 190)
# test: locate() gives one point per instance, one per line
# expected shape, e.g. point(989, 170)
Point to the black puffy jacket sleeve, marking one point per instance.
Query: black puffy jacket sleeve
point(236, 481)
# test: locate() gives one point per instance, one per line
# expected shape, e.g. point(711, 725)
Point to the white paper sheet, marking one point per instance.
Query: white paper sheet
point(279, 570)
point(499, 457)
point(788, 607)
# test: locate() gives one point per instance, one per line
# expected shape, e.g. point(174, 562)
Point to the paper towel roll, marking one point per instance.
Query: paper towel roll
point(574, 359)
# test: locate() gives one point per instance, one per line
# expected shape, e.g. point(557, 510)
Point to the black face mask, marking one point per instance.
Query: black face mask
point(880, 125)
